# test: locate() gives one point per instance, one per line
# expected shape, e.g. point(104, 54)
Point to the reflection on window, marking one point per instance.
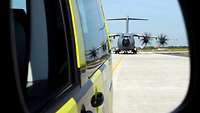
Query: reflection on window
point(94, 31)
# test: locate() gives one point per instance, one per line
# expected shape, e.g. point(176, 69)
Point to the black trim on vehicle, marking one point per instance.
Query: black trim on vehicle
point(11, 92)
point(191, 102)
point(102, 67)
point(71, 40)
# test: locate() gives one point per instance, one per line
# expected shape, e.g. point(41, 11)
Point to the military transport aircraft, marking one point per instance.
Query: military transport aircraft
point(126, 41)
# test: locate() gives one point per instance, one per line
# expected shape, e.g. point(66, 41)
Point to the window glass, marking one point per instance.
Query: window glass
point(41, 47)
point(18, 4)
point(94, 31)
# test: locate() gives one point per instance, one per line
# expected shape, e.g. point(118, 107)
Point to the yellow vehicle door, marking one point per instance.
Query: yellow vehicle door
point(62, 55)
point(90, 25)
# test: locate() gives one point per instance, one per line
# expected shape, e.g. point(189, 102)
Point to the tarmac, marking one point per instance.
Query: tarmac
point(149, 83)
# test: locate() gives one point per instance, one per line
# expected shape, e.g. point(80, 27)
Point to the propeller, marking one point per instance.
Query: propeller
point(162, 39)
point(146, 38)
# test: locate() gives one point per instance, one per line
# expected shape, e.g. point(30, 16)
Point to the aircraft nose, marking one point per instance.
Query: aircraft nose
point(126, 42)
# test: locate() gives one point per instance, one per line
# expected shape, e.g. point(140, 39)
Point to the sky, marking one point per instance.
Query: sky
point(164, 17)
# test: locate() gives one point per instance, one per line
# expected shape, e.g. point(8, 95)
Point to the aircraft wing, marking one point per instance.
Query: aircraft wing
point(116, 19)
point(138, 36)
point(142, 36)
point(114, 35)
point(137, 19)
point(127, 18)
point(135, 35)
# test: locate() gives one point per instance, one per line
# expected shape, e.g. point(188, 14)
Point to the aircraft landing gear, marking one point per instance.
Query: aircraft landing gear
point(134, 51)
point(117, 51)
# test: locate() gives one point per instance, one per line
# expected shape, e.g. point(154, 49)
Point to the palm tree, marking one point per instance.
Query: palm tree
point(104, 46)
point(145, 39)
point(93, 53)
point(162, 39)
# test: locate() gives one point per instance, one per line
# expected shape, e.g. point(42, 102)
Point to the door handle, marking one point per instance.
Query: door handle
point(97, 99)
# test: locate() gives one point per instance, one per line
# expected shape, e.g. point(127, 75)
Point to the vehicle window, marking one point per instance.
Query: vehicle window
point(41, 47)
point(93, 26)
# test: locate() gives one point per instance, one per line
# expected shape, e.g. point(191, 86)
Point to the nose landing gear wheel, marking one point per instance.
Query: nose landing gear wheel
point(134, 51)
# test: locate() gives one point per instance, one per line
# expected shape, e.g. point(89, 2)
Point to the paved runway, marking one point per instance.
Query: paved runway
point(149, 83)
